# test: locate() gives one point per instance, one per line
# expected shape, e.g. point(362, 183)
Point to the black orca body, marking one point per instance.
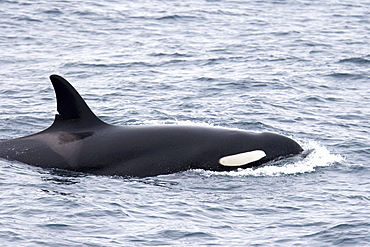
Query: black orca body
point(79, 141)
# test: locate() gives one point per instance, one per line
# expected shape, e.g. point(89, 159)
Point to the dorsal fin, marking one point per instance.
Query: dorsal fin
point(70, 104)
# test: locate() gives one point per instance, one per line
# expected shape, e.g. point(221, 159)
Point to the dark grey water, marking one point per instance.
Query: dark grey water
point(298, 68)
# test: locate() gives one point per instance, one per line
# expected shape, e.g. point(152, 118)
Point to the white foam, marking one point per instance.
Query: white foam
point(173, 122)
point(318, 157)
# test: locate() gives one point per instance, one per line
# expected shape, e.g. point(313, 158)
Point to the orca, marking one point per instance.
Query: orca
point(79, 141)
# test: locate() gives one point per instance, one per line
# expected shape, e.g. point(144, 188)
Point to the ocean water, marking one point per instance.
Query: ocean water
point(300, 68)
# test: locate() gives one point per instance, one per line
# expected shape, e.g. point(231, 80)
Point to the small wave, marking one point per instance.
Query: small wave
point(108, 65)
point(174, 235)
point(175, 17)
point(28, 19)
point(176, 54)
point(314, 99)
point(54, 11)
point(349, 234)
point(356, 60)
point(318, 156)
point(344, 75)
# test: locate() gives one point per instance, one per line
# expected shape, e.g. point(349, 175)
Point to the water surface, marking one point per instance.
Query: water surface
point(297, 68)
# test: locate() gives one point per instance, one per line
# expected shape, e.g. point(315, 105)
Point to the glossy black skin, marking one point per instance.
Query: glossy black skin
point(79, 141)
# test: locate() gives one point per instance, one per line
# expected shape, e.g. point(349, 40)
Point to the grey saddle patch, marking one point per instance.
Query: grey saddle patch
point(71, 137)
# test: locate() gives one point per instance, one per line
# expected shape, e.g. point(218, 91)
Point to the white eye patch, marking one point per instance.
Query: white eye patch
point(242, 158)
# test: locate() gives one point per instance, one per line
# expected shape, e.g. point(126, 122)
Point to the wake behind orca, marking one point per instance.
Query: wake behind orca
point(79, 141)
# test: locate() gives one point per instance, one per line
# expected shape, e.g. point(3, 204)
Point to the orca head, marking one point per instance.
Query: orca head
point(266, 147)
point(278, 146)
